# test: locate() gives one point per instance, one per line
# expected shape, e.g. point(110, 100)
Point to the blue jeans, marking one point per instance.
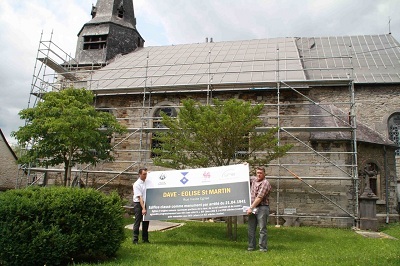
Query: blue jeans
point(260, 220)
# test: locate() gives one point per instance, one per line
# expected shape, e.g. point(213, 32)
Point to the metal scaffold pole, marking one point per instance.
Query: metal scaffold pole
point(279, 136)
point(144, 121)
point(354, 146)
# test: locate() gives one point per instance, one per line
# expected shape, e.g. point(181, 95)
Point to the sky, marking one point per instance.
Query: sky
point(171, 22)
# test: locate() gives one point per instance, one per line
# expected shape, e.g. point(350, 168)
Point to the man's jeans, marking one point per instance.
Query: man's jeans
point(259, 219)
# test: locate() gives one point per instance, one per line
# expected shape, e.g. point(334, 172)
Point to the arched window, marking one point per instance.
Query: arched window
point(157, 123)
point(394, 129)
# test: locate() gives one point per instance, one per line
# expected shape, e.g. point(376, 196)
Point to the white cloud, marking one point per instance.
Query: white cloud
point(166, 22)
point(22, 23)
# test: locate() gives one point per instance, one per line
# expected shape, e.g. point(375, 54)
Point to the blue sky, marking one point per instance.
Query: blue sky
point(168, 22)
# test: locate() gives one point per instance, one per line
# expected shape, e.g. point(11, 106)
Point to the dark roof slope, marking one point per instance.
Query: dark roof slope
point(330, 116)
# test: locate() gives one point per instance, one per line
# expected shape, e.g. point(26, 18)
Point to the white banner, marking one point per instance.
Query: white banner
point(198, 193)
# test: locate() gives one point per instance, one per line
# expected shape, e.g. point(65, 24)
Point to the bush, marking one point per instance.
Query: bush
point(54, 226)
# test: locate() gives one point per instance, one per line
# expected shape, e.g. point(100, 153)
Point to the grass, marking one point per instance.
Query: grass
point(201, 243)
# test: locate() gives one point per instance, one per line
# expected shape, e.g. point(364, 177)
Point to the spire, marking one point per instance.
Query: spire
point(115, 11)
point(111, 31)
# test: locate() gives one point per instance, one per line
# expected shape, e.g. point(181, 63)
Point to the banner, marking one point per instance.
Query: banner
point(198, 193)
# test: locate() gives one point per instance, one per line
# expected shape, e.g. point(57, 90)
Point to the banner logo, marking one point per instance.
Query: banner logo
point(162, 177)
point(184, 180)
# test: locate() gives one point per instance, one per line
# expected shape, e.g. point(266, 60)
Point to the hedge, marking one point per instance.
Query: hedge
point(58, 225)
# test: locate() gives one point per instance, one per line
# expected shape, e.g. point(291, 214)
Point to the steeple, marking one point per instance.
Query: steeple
point(111, 31)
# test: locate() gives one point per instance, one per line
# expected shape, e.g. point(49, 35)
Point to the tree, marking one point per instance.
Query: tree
point(216, 135)
point(65, 128)
point(206, 136)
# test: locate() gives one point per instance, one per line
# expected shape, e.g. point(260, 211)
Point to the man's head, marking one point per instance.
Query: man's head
point(143, 173)
point(260, 173)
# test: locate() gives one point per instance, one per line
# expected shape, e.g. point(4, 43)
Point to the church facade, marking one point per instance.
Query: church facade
point(336, 99)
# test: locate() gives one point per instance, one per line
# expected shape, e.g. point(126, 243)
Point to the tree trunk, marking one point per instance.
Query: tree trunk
point(66, 167)
point(231, 226)
point(69, 175)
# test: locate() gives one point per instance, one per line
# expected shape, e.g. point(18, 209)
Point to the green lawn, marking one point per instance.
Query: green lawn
point(202, 243)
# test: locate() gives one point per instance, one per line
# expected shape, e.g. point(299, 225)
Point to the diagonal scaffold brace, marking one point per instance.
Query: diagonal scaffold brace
point(316, 190)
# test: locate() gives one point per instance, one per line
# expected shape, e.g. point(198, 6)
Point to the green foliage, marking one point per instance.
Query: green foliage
point(66, 124)
point(52, 226)
point(66, 128)
point(17, 150)
point(216, 135)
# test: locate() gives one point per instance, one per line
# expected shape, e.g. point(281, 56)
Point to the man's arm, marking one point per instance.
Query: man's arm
point(254, 204)
point(144, 211)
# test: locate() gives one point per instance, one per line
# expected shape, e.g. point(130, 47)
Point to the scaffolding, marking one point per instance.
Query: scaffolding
point(55, 69)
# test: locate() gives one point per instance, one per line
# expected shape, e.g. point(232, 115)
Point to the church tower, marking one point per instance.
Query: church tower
point(111, 31)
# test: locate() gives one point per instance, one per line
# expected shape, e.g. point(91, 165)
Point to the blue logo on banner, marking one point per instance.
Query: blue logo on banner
point(184, 180)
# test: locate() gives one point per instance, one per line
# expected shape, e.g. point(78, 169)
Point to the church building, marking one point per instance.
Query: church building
point(8, 165)
point(335, 98)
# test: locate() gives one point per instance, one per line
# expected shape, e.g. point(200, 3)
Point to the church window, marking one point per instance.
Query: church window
point(94, 42)
point(394, 129)
point(121, 12)
point(169, 111)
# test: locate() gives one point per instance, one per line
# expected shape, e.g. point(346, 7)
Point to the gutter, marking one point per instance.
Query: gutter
point(386, 184)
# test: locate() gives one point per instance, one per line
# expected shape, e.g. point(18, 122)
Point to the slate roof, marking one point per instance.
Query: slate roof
point(106, 12)
point(330, 116)
point(253, 63)
point(373, 58)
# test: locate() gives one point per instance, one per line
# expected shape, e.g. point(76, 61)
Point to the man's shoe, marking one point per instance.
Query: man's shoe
point(146, 241)
point(263, 249)
point(250, 249)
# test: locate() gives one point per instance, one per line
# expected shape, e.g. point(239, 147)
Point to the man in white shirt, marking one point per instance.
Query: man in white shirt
point(139, 208)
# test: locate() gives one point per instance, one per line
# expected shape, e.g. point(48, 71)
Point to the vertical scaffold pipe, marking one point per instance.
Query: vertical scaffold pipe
point(279, 136)
point(353, 125)
point(143, 109)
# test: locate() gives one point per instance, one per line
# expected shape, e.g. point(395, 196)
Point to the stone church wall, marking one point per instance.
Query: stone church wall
point(8, 167)
point(292, 193)
point(321, 181)
point(373, 104)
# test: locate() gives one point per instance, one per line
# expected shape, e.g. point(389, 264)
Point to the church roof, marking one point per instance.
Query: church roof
point(330, 116)
point(106, 12)
point(366, 58)
point(253, 63)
